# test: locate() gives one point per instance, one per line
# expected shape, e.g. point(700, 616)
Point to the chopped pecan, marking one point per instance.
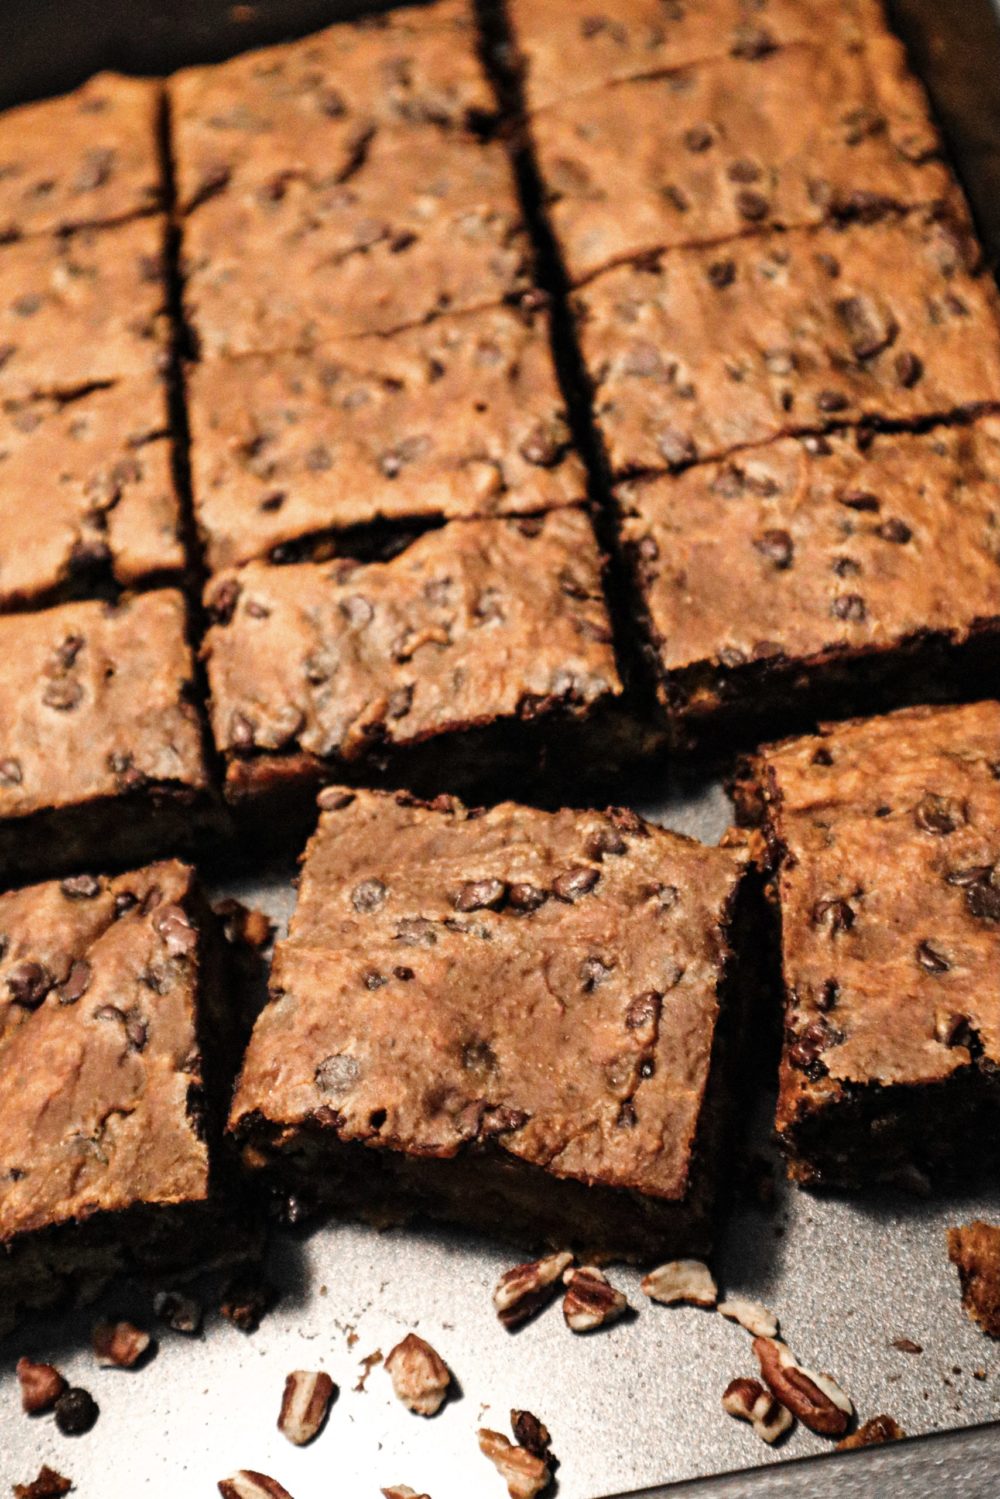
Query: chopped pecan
point(529, 1432)
point(816, 1399)
point(246, 1484)
point(591, 1301)
point(48, 1485)
point(420, 1377)
point(403, 1491)
point(524, 1474)
point(305, 1405)
point(751, 1315)
point(689, 1281)
point(874, 1433)
point(747, 1400)
point(180, 1312)
point(119, 1345)
point(525, 1289)
point(41, 1386)
point(974, 1250)
point(247, 1297)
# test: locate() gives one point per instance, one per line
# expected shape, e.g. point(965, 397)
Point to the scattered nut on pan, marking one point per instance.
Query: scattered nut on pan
point(874, 1433)
point(688, 1281)
point(747, 1400)
point(248, 1296)
point(305, 1405)
point(816, 1399)
point(525, 1289)
point(119, 1345)
point(420, 1377)
point(751, 1315)
point(181, 1313)
point(591, 1301)
point(403, 1491)
point(246, 1484)
point(48, 1485)
point(41, 1386)
point(530, 1433)
point(524, 1474)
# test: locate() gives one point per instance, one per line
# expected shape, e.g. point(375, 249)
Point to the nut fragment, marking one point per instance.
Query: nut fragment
point(529, 1432)
point(48, 1485)
point(816, 1399)
point(874, 1433)
point(524, 1474)
point(974, 1250)
point(181, 1313)
point(403, 1491)
point(305, 1405)
point(248, 1296)
point(246, 1484)
point(689, 1281)
point(747, 1400)
point(119, 1345)
point(420, 1377)
point(525, 1289)
point(41, 1386)
point(591, 1300)
point(751, 1315)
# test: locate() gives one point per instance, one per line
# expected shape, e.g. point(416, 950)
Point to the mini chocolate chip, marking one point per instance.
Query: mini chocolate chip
point(822, 757)
point(831, 401)
point(894, 530)
point(524, 897)
point(62, 693)
point(546, 444)
point(805, 1051)
point(222, 604)
point(479, 895)
point(752, 43)
point(744, 171)
point(939, 814)
point(172, 924)
point(605, 841)
point(80, 887)
point(644, 1011)
point(751, 205)
point(337, 1074)
point(573, 883)
point(368, 896)
point(829, 993)
point(973, 874)
point(375, 980)
point(698, 138)
point(403, 973)
point(777, 547)
point(983, 901)
point(28, 984)
point(76, 1411)
point(909, 369)
point(849, 606)
point(722, 273)
point(333, 799)
point(136, 1030)
point(76, 984)
point(834, 912)
point(400, 702)
point(10, 772)
point(860, 499)
point(931, 960)
point(125, 901)
point(592, 973)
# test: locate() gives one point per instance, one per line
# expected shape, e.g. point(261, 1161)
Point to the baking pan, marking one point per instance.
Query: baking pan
point(860, 1285)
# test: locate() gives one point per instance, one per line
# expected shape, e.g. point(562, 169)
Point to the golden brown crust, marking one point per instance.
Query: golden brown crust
point(549, 983)
point(462, 417)
point(974, 1249)
point(712, 349)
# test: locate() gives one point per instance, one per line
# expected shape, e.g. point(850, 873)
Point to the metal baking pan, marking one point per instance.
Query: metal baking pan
point(636, 1407)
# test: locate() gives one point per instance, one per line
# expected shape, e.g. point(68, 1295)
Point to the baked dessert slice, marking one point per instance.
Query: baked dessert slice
point(115, 1029)
point(459, 417)
point(83, 158)
point(857, 567)
point(87, 493)
point(480, 637)
point(883, 837)
point(697, 352)
point(100, 742)
point(506, 1017)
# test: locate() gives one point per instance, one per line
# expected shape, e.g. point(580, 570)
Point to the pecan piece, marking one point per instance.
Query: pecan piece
point(874, 1433)
point(420, 1377)
point(246, 1484)
point(751, 1315)
point(816, 1399)
point(305, 1405)
point(530, 1433)
point(689, 1281)
point(524, 1474)
point(747, 1400)
point(974, 1250)
point(119, 1345)
point(48, 1485)
point(179, 1312)
point(591, 1301)
point(41, 1386)
point(247, 1297)
point(403, 1491)
point(525, 1289)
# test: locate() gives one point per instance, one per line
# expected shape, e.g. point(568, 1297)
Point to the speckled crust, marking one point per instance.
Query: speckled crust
point(543, 987)
point(87, 488)
point(567, 46)
point(423, 223)
point(701, 351)
point(974, 1249)
point(461, 417)
point(84, 309)
point(479, 621)
point(804, 136)
point(832, 548)
point(885, 836)
point(89, 157)
point(303, 107)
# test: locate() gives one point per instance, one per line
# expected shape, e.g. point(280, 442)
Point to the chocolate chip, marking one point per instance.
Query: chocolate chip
point(822, 757)
point(172, 924)
point(63, 693)
point(939, 814)
point(136, 1030)
point(931, 960)
point(751, 205)
point(909, 370)
point(573, 883)
point(80, 887)
point(479, 895)
point(698, 138)
point(28, 984)
point(76, 1411)
point(817, 1036)
point(593, 972)
point(744, 171)
point(869, 330)
point(337, 1074)
point(605, 841)
point(222, 604)
point(644, 1011)
point(722, 273)
point(368, 896)
point(894, 530)
point(546, 444)
point(125, 901)
point(828, 994)
point(831, 401)
point(333, 799)
point(983, 901)
point(835, 913)
point(524, 897)
point(849, 606)
point(859, 499)
point(404, 974)
point(777, 547)
point(10, 772)
point(752, 43)
point(76, 984)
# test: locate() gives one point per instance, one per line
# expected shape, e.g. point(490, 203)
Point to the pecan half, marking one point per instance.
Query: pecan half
point(305, 1405)
point(688, 1281)
point(246, 1484)
point(41, 1386)
point(747, 1400)
point(525, 1289)
point(751, 1315)
point(524, 1474)
point(816, 1399)
point(420, 1377)
point(591, 1301)
point(119, 1345)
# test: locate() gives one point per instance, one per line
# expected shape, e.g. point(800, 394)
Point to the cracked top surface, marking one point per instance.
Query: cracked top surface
point(422, 222)
point(568, 46)
point(95, 703)
point(300, 108)
point(544, 980)
point(461, 417)
point(888, 836)
point(803, 136)
point(477, 621)
point(89, 157)
point(705, 350)
point(98, 1048)
point(81, 310)
point(87, 483)
point(828, 546)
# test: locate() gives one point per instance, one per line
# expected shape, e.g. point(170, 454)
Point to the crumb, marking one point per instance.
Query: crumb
point(368, 1363)
point(906, 1345)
